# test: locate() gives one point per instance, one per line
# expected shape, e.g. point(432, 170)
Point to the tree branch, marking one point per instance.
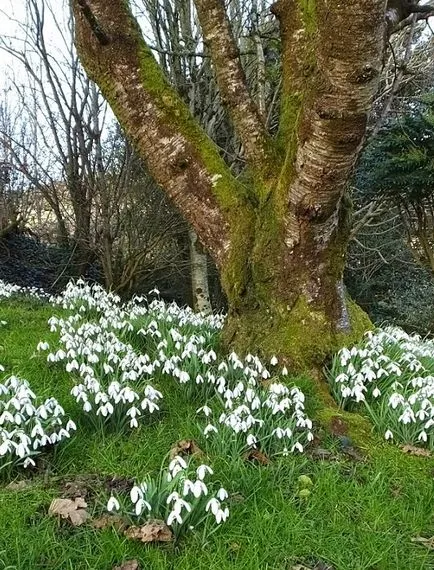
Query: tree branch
point(232, 83)
point(179, 154)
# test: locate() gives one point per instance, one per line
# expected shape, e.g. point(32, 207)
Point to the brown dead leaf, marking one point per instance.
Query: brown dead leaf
point(185, 447)
point(119, 484)
point(104, 521)
point(256, 455)
point(73, 510)
point(428, 542)
point(323, 454)
point(152, 531)
point(18, 485)
point(353, 453)
point(413, 450)
point(128, 565)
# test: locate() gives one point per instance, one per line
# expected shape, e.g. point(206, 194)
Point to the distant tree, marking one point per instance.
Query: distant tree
point(397, 170)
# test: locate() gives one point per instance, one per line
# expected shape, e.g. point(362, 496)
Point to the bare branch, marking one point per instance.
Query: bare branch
point(232, 82)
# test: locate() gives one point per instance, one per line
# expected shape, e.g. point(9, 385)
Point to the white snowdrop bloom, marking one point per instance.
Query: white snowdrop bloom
point(136, 493)
point(174, 515)
point(72, 365)
point(184, 377)
point(199, 489)
point(202, 470)
point(206, 410)
point(42, 346)
point(251, 440)
point(141, 505)
point(423, 436)
point(209, 429)
point(37, 430)
point(87, 407)
point(177, 460)
point(70, 426)
point(113, 504)
point(28, 462)
point(273, 361)
point(187, 487)
point(181, 504)
point(172, 497)
point(278, 432)
point(376, 392)
point(222, 515)
point(222, 494)
point(213, 505)
point(297, 446)
point(388, 434)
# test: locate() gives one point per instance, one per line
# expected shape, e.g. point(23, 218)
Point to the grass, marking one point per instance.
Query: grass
point(361, 515)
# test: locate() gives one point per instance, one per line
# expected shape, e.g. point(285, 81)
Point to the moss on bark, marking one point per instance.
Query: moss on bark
point(302, 335)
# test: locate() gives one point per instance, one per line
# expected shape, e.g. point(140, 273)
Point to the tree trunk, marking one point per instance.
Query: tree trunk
point(199, 275)
point(279, 233)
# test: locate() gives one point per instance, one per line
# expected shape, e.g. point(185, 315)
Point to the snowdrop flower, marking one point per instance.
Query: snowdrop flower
point(222, 494)
point(206, 410)
point(376, 392)
point(222, 515)
point(388, 434)
point(209, 429)
point(199, 488)
point(251, 440)
point(202, 470)
point(174, 515)
point(141, 505)
point(173, 497)
point(423, 436)
point(177, 461)
point(214, 505)
point(113, 504)
point(297, 446)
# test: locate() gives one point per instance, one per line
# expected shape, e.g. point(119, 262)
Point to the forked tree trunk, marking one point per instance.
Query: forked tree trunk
point(279, 234)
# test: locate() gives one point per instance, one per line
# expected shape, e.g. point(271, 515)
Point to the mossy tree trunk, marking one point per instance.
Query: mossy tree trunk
point(279, 234)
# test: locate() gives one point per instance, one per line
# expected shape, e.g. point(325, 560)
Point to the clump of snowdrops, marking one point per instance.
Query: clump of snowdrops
point(182, 496)
point(116, 350)
point(391, 375)
point(27, 426)
point(8, 290)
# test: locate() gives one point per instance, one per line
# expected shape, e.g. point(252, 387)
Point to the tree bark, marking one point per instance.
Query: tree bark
point(278, 236)
point(199, 275)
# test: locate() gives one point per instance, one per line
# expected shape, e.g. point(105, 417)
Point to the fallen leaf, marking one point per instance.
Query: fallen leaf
point(74, 510)
point(119, 484)
point(185, 447)
point(413, 450)
point(256, 455)
point(128, 565)
point(428, 542)
point(18, 485)
point(324, 454)
point(104, 521)
point(353, 453)
point(152, 531)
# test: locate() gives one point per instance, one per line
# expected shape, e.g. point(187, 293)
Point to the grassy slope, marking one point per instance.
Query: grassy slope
point(359, 516)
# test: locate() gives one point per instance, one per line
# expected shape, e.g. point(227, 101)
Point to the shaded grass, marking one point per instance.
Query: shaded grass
point(360, 515)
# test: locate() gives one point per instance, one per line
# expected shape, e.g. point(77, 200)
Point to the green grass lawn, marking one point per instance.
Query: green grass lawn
point(360, 515)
